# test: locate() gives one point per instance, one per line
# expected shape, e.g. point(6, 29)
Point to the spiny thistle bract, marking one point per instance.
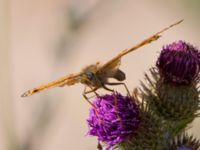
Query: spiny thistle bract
point(151, 135)
point(184, 142)
point(113, 118)
point(177, 102)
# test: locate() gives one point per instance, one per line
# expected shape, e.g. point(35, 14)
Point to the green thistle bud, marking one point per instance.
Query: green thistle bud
point(176, 102)
point(170, 101)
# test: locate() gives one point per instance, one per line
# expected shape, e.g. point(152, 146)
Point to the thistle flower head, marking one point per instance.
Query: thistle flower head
point(113, 118)
point(179, 62)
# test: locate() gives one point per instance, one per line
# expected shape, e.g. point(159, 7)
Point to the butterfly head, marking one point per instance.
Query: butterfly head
point(89, 76)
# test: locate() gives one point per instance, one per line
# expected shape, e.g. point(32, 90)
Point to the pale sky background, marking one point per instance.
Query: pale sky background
point(41, 40)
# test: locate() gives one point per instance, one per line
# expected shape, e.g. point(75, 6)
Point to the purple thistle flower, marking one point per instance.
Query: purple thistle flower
point(179, 62)
point(114, 118)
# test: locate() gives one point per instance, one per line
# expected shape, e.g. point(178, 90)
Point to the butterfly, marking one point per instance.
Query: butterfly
point(96, 76)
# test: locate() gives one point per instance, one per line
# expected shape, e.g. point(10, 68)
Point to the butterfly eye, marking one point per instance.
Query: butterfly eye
point(90, 75)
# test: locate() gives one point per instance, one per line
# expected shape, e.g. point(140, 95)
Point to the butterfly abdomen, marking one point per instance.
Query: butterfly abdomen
point(119, 75)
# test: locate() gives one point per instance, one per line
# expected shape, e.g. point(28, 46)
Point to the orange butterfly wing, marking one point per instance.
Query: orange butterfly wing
point(66, 80)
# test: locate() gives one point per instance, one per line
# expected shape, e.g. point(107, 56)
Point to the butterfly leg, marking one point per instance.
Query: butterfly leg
point(92, 90)
point(115, 101)
point(99, 146)
point(108, 89)
point(87, 99)
point(116, 107)
point(85, 95)
point(121, 83)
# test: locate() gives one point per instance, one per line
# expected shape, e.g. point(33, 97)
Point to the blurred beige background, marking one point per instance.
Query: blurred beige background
point(41, 40)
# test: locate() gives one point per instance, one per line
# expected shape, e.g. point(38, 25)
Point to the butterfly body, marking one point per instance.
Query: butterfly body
point(96, 76)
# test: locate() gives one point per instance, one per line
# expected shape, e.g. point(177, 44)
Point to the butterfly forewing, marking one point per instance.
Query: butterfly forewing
point(115, 62)
point(66, 80)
